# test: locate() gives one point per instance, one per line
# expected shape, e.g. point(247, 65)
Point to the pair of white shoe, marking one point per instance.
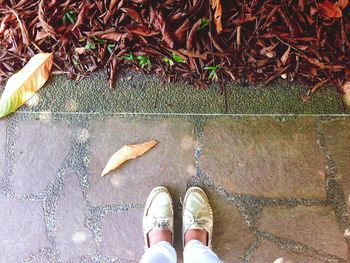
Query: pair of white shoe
point(196, 212)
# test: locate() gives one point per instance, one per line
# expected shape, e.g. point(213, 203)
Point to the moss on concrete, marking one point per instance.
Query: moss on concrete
point(141, 93)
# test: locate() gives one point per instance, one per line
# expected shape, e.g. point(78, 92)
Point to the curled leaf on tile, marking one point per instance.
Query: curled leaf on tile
point(126, 153)
point(21, 86)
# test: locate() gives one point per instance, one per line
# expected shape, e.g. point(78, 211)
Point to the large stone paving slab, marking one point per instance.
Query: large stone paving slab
point(337, 135)
point(2, 146)
point(22, 229)
point(122, 235)
point(231, 235)
point(40, 148)
point(265, 157)
point(314, 226)
point(270, 252)
point(170, 163)
point(72, 236)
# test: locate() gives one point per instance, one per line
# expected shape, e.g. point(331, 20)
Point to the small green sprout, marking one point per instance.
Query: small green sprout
point(110, 48)
point(69, 15)
point(204, 23)
point(169, 61)
point(76, 61)
point(213, 70)
point(130, 57)
point(177, 58)
point(144, 61)
point(90, 45)
point(100, 40)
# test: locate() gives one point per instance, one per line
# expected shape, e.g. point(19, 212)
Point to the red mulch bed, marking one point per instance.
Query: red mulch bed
point(198, 41)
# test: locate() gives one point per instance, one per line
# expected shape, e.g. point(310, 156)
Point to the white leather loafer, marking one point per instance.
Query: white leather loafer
point(158, 213)
point(197, 213)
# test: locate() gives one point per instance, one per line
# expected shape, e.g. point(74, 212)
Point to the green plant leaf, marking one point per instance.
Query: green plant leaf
point(204, 23)
point(100, 40)
point(144, 61)
point(177, 58)
point(169, 61)
point(212, 74)
point(76, 61)
point(90, 45)
point(213, 70)
point(69, 16)
point(110, 48)
point(130, 57)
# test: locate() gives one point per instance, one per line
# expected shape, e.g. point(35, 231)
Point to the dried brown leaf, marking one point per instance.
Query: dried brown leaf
point(343, 4)
point(315, 62)
point(114, 36)
point(167, 37)
point(81, 16)
point(112, 72)
point(112, 4)
point(181, 31)
point(318, 85)
point(216, 5)
point(41, 14)
point(192, 34)
point(133, 14)
point(24, 31)
point(126, 153)
point(330, 9)
point(142, 31)
point(194, 54)
point(285, 56)
point(305, 97)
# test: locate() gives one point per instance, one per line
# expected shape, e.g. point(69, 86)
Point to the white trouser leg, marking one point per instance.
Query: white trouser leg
point(196, 252)
point(162, 252)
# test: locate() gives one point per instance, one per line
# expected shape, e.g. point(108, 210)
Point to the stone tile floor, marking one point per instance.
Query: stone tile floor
point(279, 185)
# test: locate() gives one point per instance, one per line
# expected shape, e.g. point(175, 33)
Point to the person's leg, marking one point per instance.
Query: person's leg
point(198, 228)
point(196, 252)
point(161, 252)
point(158, 228)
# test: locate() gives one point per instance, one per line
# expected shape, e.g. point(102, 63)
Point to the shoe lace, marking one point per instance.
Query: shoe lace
point(194, 220)
point(161, 223)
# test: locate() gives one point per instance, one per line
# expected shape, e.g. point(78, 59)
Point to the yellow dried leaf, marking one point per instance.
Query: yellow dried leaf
point(345, 91)
point(285, 56)
point(343, 4)
point(216, 5)
point(80, 50)
point(22, 86)
point(126, 153)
